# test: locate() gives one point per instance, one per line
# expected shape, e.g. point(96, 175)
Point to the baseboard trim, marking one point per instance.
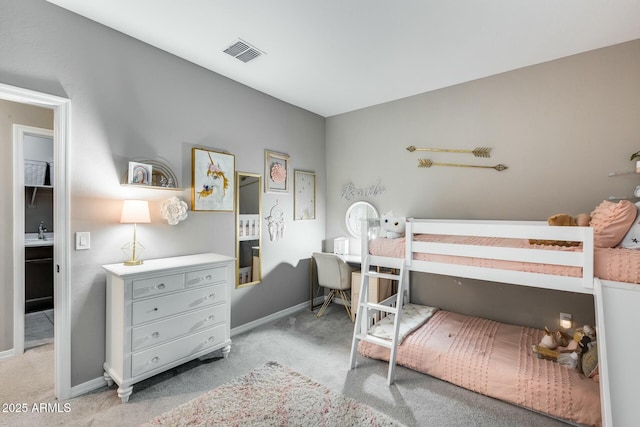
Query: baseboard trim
point(97, 383)
point(319, 300)
point(87, 387)
point(338, 300)
point(270, 318)
point(7, 353)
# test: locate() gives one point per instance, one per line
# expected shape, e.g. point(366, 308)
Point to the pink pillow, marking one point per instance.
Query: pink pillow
point(632, 239)
point(611, 221)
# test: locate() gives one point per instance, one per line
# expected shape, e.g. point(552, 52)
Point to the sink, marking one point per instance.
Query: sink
point(31, 239)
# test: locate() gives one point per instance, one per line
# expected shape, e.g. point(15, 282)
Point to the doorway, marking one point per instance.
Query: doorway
point(61, 291)
point(37, 158)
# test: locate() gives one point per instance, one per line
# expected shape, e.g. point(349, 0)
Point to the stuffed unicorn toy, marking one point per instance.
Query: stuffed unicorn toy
point(392, 226)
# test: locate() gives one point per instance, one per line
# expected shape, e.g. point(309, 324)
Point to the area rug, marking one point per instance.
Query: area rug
point(273, 395)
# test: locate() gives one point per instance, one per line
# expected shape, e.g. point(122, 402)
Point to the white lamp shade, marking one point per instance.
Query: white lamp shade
point(135, 211)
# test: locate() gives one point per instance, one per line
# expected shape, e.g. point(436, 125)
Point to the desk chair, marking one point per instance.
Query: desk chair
point(334, 274)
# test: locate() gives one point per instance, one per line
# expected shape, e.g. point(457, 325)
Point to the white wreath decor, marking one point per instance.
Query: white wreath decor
point(174, 210)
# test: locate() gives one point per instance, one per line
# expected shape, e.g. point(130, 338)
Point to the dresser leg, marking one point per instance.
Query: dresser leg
point(108, 379)
point(124, 393)
point(225, 351)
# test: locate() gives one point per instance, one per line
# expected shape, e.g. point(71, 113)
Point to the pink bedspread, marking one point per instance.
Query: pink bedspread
point(495, 359)
point(616, 264)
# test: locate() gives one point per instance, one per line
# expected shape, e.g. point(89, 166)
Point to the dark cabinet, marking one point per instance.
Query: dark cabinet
point(38, 278)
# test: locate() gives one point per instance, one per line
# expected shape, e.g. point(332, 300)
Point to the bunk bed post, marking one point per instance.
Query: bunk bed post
point(361, 316)
point(587, 253)
point(408, 256)
point(603, 362)
point(362, 313)
point(408, 239)
point(364, 239)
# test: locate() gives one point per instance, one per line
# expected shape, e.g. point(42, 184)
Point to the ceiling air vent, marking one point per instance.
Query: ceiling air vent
point(243, 51)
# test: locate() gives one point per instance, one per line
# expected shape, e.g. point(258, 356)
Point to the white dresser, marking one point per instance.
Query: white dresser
point(163, 313)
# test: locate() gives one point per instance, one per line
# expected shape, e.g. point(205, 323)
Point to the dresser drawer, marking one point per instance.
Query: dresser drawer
point(167, 305)
point(206, 277)
point(158, 356)
point(157, 285)
point(176, 326)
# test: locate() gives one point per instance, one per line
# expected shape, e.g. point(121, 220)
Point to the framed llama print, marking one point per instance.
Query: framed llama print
point(212, 181)
point(276, 172)
point(304, 195)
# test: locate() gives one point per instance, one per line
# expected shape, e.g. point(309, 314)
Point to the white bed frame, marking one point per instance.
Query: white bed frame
point(617, 304)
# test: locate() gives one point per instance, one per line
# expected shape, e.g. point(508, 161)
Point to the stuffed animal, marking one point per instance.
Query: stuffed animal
point(552, 340)
point(392, 226)
point(580, 353)
point(561, 220)
point(581, 220)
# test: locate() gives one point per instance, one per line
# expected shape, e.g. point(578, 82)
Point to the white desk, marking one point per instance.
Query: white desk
point(351, 258)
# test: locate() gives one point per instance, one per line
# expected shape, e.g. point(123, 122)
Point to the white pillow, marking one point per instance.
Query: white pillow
point(631, 240)
point(413, 316)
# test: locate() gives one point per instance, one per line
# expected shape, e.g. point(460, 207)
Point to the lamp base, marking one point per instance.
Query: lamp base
point(133, 250)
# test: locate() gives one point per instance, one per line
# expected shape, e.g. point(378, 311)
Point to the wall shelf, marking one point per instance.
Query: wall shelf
point(153, 187)
point(622, 173)
point(162, 177)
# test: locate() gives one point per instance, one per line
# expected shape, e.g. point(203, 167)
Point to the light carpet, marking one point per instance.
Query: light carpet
point(273, 395)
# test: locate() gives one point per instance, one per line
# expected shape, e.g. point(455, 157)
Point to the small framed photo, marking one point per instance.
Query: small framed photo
point(139, 173)
point(304, 196)
point(213, 181)
point(276, 172)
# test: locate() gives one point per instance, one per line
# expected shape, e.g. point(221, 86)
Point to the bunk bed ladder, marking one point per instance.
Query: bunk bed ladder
point(390, 306)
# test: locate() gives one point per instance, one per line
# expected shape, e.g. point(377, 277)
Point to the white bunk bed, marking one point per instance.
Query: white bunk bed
point(572, 270)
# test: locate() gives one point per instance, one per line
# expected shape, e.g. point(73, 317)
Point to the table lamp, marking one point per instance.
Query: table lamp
point(134, 212)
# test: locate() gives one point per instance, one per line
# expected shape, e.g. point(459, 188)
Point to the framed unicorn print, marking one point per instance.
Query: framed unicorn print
point(212, 181)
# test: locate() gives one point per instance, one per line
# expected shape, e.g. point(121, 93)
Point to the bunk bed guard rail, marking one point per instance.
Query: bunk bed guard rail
point(580, 256)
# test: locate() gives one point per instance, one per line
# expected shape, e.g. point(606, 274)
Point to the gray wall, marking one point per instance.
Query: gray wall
point(130, 100)
point(12, 113)
point(560, 127)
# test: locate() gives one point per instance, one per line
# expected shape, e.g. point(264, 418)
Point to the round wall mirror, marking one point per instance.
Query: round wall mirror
point(356, 213)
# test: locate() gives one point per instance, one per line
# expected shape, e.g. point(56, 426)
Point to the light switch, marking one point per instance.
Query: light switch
point(83, 240)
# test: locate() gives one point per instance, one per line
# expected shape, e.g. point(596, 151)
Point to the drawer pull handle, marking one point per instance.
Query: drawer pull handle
point(161, 286)
point(155, 359)
point(155, 309)
point(156, 335)
point(210, 339)
point(211, 296)
point(210, 318)
point(202, 279)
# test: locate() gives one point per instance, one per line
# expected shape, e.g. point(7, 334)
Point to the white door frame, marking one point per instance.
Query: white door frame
point(61, 289)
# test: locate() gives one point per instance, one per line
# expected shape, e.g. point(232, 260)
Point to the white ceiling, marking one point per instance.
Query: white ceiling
point(335, 56)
